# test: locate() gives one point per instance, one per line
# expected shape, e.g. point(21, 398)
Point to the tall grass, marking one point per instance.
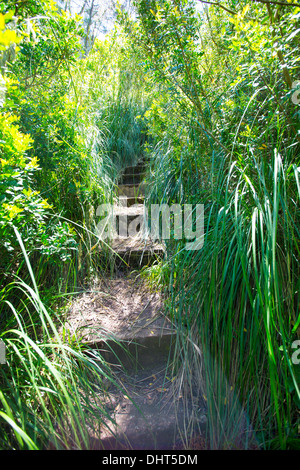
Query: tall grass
point(236, 306)
point(112, 94)
point(51, 383)
point(124, 133)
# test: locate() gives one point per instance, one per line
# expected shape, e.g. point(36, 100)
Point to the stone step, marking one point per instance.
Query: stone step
point(138, 168)
point(135, 200)
point(136, 252)
point(129, 211)
point(121, 309)
point(132, 179)
point(126, 322)
point(133, 174)
point(124, 201)
point(154, 417)
point(125, 215)
point(152, 345)
point(131, 190)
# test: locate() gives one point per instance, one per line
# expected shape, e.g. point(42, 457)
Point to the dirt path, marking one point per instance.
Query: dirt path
point(127, 322)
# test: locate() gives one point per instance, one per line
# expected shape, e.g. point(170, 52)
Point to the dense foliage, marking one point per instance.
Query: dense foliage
point(225, 128)
point(62, 150)
point(209, 92)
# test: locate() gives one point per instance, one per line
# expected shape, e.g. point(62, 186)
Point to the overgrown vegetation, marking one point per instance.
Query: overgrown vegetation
point(210, 96)
point(225, 122)
point(62, 150)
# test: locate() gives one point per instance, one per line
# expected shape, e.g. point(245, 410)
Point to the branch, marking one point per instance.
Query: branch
point(232, 12)
point(275, 2)
point(268, 2)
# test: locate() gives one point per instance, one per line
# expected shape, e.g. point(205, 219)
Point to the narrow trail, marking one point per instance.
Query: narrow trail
point(150, 414)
